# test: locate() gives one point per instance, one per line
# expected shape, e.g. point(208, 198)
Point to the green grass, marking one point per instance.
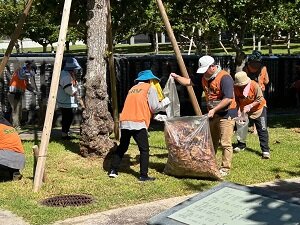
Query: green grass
point(69, 173)
point(278, 49)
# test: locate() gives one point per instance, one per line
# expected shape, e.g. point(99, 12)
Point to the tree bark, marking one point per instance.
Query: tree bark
point(97, 123)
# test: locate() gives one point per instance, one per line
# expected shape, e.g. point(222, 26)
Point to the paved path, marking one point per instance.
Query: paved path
point(8, 218)
point(140, 214)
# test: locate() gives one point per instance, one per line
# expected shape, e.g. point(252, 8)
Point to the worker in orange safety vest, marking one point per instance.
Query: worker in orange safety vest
point(21, 80)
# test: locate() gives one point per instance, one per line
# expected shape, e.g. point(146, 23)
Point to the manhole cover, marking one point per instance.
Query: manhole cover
point(68, 200)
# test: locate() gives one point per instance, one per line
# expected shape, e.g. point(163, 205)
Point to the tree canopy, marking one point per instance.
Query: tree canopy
point(235, 18)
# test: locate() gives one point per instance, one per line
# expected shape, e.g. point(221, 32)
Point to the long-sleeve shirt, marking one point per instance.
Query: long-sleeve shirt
point(155, 106)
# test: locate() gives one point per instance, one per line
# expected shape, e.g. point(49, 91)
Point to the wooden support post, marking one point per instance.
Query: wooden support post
point(35, 151)
point(15, 36)
point(52, 97)
point(113, 82)
point(178, 57)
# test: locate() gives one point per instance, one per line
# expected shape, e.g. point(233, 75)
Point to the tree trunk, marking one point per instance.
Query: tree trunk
point(253, 42)
point(45, 48)
point(97, 123)
point(270, 42)
point(67, 46)
point(288, 44)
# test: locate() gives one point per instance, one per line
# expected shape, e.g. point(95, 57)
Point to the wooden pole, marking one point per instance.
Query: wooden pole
point(178, 57)
point(15, 36)
point(52, 97)
point(113, 82)
point(35, 151)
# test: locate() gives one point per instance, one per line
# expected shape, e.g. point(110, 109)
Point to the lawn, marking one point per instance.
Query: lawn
point(278, 49)
point(69, 173)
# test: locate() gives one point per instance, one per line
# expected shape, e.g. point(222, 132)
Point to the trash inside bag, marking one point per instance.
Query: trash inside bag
point(191, 151)
point(241, 128)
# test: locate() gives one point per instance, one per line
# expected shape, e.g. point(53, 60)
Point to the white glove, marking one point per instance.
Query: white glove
point(247, 108)
point(160, 117)
point(166, 101)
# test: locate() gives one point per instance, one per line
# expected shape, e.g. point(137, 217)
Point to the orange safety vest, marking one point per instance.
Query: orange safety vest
point(136, 107)
point(16, 84)
point(213, 89)
point(9, 139)
point(261, 76)
point(243, 101)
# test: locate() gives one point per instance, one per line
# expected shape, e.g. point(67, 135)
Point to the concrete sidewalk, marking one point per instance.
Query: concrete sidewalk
point(141, 213)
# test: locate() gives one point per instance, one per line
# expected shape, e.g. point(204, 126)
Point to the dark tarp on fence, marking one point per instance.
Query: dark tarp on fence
point(282, 72)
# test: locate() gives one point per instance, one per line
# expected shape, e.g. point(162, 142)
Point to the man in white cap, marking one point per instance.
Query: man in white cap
point(219, 94)
point(251, 102)
point(140, 105)
point(66, 95)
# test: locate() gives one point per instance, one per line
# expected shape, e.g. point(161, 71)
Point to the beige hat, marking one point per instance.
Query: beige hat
point(241, 79)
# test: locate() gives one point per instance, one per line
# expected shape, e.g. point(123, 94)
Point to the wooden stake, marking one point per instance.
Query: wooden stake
point(113, 82)
point(35, 151)
point(52, 97)
point(178, 57)
point(15, 36)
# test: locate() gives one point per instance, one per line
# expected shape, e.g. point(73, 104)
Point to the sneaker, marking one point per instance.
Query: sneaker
point(16, 176)
point(266, 155)
point(146, 178)
point(238, 149)
point(224, 172)
point(113, 174)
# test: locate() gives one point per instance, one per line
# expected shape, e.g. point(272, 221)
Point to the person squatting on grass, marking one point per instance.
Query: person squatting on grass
point(251, 102)
point(140, 105)
point(12, 158)
point(219, 94)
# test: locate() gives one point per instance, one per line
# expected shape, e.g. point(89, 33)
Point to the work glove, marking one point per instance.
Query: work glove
point(165, 102)
point(247, 108)
point(160, 117)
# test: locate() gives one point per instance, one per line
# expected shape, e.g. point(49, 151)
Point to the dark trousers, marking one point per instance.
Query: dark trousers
point(67, 116)
point(7, 173)
point(141, 138)
point(262, 131)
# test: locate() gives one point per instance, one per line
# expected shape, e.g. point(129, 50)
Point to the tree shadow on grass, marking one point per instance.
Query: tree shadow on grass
point(125, 166)
point(70, 145)
point(254, 151)
point(291, 173)
point(284, 121)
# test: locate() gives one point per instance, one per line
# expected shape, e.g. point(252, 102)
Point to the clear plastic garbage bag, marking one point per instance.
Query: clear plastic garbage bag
point(191, 151)
point(241, 123)
point(170, 91)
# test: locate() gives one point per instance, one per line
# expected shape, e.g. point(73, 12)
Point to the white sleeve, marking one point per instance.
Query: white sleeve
point(153, 101)
point(66, 84)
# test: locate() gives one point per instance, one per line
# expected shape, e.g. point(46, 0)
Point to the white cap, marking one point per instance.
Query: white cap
point(204, 63)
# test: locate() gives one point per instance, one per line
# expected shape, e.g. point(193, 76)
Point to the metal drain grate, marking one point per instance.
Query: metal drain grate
point(68, 200)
